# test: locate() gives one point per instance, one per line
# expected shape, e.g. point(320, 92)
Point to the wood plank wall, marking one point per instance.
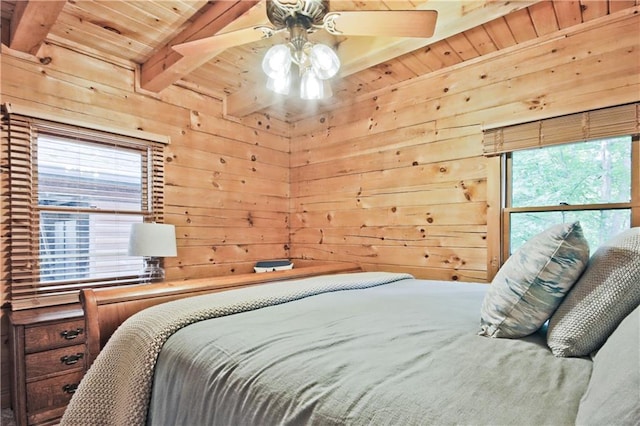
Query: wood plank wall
point(227, 182)
point(397, 181)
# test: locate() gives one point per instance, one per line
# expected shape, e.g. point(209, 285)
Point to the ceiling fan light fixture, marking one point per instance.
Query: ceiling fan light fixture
point(311, 87)
point(280, 84)
point(327, 89)
point(277, 61)
point(324, 61)
point(316, 63)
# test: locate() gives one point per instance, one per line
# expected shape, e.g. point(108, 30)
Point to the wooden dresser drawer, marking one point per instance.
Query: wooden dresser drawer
point(49, 359)
point(40, 364)
point(55, 335)
point(53, 392)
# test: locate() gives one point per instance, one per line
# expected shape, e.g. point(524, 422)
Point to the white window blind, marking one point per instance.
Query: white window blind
point(72, 197)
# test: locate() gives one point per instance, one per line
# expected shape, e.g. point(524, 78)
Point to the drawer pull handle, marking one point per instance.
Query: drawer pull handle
point(71, 334)
point(70, 388)
point(71, 359)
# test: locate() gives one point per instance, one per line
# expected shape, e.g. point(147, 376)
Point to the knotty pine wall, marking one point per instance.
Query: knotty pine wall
point(398, 181)
point(227, 182)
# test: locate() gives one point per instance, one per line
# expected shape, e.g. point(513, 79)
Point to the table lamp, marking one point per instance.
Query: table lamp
point(152, 241)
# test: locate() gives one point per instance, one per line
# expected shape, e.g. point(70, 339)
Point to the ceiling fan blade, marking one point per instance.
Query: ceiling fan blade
point(223, 41)
point(387, 23)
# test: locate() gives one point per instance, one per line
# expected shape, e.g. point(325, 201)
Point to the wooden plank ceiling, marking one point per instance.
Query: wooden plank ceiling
point(142, 32)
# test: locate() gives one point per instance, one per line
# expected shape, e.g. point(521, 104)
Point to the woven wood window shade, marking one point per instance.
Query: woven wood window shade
point(20, 196)
point(603, 123)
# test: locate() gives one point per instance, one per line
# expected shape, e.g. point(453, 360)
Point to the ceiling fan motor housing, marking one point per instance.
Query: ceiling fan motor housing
point(311, 12)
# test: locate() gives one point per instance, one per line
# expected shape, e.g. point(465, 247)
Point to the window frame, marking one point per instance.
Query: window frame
point(507, 209)
point(618, 120)
point(20, 202)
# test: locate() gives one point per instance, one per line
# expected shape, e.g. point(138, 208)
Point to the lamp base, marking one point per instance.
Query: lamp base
point(152, 272)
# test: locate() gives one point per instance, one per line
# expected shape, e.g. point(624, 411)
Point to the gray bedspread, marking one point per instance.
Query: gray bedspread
point(404, 353)
point(116, 389)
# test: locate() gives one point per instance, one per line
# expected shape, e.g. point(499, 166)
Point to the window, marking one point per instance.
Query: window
point(583, 166)
point(73, 196)
point(587, 181)
point(88, 197)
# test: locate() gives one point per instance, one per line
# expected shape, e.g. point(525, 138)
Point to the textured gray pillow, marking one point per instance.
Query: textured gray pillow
point(533, 281)
point(606, 293)
point(613, 395)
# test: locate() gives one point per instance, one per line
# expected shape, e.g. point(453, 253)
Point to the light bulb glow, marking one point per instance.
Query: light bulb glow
point(327, 92)
point(277, 61)
point(311, 87)
point(280, 84)
point(316, 64)
point(324, 61)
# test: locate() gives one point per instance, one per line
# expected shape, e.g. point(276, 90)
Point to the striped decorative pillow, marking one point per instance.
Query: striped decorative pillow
point(533, 281)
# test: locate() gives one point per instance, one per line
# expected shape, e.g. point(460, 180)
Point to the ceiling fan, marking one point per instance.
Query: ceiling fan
point(316, 62)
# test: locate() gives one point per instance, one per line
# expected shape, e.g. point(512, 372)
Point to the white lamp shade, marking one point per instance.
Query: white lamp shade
point(152, 240)
point(277, 61)
point(324, 61)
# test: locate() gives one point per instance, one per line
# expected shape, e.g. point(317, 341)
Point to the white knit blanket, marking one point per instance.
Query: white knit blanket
point(117, 387)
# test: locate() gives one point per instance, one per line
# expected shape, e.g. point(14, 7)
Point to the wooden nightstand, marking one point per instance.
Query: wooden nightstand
point(49, 359)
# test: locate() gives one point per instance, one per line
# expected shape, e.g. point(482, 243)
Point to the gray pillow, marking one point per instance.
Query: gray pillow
point(532, 282)
point(606, 293)
point(613, 395)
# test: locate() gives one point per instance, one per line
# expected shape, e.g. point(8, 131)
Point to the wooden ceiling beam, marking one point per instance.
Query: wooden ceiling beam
point(355, 52)
point(31, 23)
point(167, 66)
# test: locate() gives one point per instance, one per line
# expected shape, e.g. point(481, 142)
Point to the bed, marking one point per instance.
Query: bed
point(350, 348)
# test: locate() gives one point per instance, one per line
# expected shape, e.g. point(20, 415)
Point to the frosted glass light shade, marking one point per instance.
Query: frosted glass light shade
point(327, 92)
point(280, 84)
point(316, 64)
point(324, 61)
point(277, 61)
point(311, 87)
